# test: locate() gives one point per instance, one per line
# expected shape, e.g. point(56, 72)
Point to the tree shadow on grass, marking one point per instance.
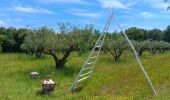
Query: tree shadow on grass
point(70, 71)
point(110, 60)
point(48, 71)
point(42, 93)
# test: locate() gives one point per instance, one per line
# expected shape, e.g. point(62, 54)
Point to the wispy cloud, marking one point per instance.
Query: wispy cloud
point(85, 13)
point(112, 4)
point(2, 23)
point(13, 20)
point(156, 3)
point(131, 3)
point(147, 15)
point(64, 1)
point(8, 21)
point(26, 9)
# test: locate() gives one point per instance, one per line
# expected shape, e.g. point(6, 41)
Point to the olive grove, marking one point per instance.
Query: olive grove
point(59, 45)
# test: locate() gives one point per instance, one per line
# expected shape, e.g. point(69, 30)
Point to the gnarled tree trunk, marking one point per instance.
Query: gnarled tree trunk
point(59, 63)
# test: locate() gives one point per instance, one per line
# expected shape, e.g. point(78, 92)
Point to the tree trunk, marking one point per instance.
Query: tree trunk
point(140, 53)
point(116, 58)
point(59, 63)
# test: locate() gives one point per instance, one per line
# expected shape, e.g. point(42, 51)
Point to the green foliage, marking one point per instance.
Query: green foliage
point(136, 34)
point(2, 38)
point(19, 37)
point(115, 45)
point(155, 34)
point(45, 41)
point(140, 46)
point(8, 42)
point(167, 34)
point(152, 46)
point(12, 39)
point(38, 40)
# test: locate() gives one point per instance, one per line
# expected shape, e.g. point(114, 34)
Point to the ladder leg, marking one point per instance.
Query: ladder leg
point(100, 39)
point(137, 58)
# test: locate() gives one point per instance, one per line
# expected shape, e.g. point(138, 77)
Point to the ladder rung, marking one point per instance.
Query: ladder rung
point(87, 68)
point(90, 63)
point(93, 57)
point(98, 46)
point(83, 79)
point(86, 73)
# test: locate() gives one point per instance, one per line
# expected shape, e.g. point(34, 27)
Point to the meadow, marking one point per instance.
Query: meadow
point(111, 80)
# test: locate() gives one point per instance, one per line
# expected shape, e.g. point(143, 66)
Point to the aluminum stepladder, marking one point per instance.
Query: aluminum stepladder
point(83, 76)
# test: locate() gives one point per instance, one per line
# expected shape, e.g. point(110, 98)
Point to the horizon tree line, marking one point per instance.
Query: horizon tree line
point(59, 45)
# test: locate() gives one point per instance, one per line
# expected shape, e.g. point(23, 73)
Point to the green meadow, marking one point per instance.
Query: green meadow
point(111, 80)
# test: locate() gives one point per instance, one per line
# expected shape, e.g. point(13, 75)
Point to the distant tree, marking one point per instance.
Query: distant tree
point(8, 42)
point(136, 34)
point(152, 46)
point(19, 37)
point(13, 39)
point(69, 39)
point(155, 34)
point(163, 46)
point(140, 46)
point(167, 34)
point(2, 38)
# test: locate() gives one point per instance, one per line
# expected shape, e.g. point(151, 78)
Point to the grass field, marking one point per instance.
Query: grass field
point(110, 80)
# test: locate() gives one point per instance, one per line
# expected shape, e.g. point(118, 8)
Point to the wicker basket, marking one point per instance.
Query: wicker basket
point(48, 85)
point(34, 75)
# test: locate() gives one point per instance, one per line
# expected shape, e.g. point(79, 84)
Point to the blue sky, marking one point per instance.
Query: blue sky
point(146, 14)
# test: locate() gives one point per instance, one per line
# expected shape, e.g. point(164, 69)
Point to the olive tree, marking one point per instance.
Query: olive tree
point(45, 41)
point(152, 46)
point(157, 46)
point(163, 46)
point(140, 46)
point(115, 46)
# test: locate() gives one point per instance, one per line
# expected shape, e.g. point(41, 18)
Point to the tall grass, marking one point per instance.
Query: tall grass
point(110, 80)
